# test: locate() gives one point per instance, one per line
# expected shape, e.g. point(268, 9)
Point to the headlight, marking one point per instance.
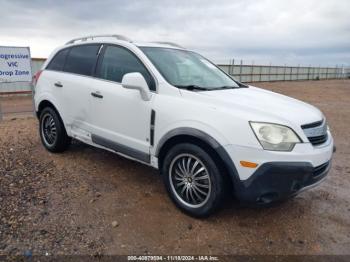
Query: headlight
point(275, 137)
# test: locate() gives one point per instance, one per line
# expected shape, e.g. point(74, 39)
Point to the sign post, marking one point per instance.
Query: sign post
point(15, 66)
point(0, 108)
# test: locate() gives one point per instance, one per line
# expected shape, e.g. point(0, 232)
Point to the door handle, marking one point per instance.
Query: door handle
point(58, 84)
point(97, 94)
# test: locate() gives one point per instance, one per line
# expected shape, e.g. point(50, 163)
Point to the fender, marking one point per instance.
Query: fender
point(187, 131)
point(219, 149)
point(48, 97)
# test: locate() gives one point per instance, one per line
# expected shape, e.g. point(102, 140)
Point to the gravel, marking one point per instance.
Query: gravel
point(68, 203)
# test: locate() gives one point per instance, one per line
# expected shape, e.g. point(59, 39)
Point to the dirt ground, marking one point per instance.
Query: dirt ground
point(66, 203)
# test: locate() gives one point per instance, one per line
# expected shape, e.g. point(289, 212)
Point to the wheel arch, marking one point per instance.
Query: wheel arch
point(46, 103)
point(203, 140)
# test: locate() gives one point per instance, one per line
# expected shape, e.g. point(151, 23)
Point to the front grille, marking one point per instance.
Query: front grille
point(316, 132)
point(318, 140)
point(320, 169)
point(312, 125)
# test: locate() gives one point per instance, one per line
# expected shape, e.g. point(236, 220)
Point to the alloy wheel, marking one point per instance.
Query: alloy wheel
point(190, 180)
point(48, 129)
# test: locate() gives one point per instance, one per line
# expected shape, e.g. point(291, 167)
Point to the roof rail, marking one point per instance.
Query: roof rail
point(170, 43)
point(85, 38)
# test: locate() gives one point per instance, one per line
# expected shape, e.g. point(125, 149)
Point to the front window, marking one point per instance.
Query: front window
point(186, 69)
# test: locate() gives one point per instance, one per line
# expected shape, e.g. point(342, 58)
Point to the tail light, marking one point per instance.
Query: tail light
point(36, 77)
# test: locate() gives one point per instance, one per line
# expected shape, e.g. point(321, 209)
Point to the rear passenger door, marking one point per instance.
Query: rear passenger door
point(79, 68)
point(121, 119)
point(52, 82)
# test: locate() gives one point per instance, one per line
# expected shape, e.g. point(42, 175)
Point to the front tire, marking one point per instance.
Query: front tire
point(193, 180)
point(52, 131)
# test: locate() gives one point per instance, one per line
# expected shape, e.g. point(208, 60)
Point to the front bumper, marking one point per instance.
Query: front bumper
point(303, 152)
point(275, 181)
point(279, 175)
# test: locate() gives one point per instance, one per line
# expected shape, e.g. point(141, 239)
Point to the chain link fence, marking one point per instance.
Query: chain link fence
point(266, 73)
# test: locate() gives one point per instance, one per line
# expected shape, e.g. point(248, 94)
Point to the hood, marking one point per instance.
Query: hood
point(260, 105)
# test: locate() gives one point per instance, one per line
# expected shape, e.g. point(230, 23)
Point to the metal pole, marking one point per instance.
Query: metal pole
point(284, 72)
point(31, 83)
point(308, 73)
point(335, 75)
point(270, 72)
point(229, 66)
point(233, 66)
point(319, 72)
point(230, 71)
point(251, 72)
point(0, 105)
point(260, 69)
point(298, 72)
point(1, 109)
point(240, 71)
point(311, 69)
point(327, 73)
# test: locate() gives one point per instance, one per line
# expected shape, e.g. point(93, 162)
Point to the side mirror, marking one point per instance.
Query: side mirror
point(138, 82)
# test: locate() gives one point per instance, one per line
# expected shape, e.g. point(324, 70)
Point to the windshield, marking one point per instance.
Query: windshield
point(186, 69)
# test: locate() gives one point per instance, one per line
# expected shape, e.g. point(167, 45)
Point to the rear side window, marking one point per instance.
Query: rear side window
point(82, 59)
point(58, 61)
point(118, 61)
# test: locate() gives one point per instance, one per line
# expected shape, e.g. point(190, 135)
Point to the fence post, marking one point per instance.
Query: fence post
point(298, 71)
point(260, 69)
point(310, 76)
point(290, 73)
point(251, 72)
point(284, 72)
point(335, 75)
point(308, 72)
point(319, 72)
point(232, 66)
point(229, 71)
point(270, 72)
point(327, 73)
point(240, 71)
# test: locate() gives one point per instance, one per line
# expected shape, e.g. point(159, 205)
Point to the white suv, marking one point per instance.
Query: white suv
point(174, 110)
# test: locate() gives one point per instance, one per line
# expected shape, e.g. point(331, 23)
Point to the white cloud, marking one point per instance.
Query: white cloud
point(293, 32)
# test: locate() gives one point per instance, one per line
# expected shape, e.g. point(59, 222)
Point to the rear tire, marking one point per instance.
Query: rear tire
point(52, 131)
point(193, 180)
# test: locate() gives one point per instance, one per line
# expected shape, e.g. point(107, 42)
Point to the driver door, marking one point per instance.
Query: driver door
point(120, 119)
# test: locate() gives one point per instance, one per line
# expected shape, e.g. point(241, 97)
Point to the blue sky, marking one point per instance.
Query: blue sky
point(277, 31)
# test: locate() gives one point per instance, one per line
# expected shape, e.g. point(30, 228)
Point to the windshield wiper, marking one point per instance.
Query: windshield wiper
point(192, 87)
point(224, 87)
